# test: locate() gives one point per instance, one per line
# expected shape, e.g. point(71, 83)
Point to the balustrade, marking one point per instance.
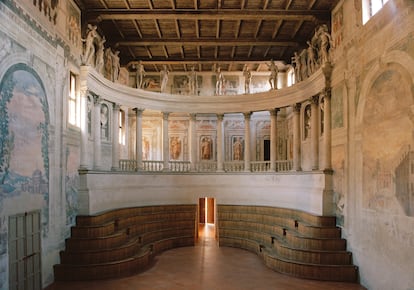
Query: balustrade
point(205, 166)
point(234, 166)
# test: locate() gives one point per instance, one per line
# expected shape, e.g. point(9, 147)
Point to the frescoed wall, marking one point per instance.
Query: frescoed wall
point(24, 136)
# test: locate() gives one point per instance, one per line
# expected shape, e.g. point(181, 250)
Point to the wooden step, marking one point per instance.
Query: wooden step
point(93, 231)
point(105, 242)
point(97, 256)
point(343, 273)
point(312, 256)
point(122, 268)
point(296, 241)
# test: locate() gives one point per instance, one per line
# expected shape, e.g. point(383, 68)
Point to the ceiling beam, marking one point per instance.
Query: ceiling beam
point(196, 61)
point(205, 14)
point(207, 42)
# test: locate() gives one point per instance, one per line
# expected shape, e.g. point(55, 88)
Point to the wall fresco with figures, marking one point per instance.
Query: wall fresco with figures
point(388, 105)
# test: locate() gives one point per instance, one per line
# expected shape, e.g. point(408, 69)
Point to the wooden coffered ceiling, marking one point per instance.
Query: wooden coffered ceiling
point(231, 34)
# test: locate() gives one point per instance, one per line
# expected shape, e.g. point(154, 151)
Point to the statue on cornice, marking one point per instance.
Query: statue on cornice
point(140, 75)
point(99, 62)
point(89, 46)
point(273, 75)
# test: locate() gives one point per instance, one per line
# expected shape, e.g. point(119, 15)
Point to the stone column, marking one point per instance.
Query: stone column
point(220, 143)
point(296, 138)
point(193, 142)
point(138, 136)
point(115, 137)
point(273, 138)
point(315, 132)
point(96, 125)
point(84, 131)
point(247, 141)
point(165, 141)
point(327, 131)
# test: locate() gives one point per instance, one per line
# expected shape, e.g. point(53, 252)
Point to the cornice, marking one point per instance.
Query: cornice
point(133, 97)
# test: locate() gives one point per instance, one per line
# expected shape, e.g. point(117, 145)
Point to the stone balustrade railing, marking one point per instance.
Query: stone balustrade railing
point(204, 166)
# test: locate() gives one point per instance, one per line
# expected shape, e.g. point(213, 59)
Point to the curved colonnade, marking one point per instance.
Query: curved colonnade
point(274, 182)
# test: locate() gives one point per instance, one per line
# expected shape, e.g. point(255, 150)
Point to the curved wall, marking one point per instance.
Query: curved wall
point(306, 191)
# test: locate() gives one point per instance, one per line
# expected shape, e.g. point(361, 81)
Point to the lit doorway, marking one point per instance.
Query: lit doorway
point(206, 221)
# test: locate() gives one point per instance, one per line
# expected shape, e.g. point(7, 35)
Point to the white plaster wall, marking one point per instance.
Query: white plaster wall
point(310, 192)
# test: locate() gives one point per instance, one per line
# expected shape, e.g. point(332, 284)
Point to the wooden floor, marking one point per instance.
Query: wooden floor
point(206, 266)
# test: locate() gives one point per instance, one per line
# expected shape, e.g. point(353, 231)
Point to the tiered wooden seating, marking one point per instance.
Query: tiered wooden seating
point(122, 242)
point(289, 241)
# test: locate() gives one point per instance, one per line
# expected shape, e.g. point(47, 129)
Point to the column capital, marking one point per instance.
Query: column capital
point(165, 115)
point(247, 115)
point(193, 116)
point(273, 112)
point(326, 93)
point(116, 106)
point(220, 117)
point(95, 98)
point(296, 107)
point(314, 99)
point(138, 111)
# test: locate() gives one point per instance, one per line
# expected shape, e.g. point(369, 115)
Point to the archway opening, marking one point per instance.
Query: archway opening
point(207, 219)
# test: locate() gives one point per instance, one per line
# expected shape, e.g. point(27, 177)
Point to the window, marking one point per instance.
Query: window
point(74, 109)
point(370, 8)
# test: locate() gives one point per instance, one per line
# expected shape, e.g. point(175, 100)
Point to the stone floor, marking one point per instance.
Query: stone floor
point(206, 266)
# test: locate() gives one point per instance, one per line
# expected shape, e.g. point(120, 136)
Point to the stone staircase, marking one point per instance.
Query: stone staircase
point(289, 241)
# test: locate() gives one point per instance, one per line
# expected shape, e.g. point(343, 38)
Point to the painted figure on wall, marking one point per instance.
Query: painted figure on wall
point(175, 148)
point(206, 148)
point(237, 149)
point(145, 148)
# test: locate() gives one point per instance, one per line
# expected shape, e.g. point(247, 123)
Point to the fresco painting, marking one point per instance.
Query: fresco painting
point(24, 137)
point(387, 107)
point(72, 183)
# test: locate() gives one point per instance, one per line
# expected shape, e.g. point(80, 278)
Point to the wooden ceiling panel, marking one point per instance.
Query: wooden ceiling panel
point(175, 52)
point(207, 52)
point(228, 28)
point(128, 29)
point(266, 29)
point(115, 4)
point(224, 52)
point(161, 4)
point(231, 4)
point(157, 51)
point(248, 29)
point(184, 4)
point(148, 28)
point(187, 28)
point(277, 4)
point(242, 51)
point(254, 4)
point(139, 4)
point(190, 51)
point(208, 28)
point(207, 4)
point(168, 28)
point(229, 33)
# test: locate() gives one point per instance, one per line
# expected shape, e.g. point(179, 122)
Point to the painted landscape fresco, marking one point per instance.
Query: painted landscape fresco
point(24, 122)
